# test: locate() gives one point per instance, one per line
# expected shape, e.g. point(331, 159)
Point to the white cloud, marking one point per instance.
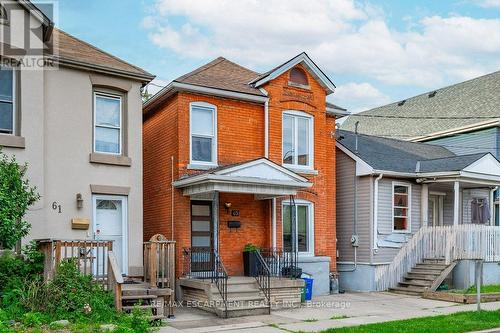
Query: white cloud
point(343, 36)
point(358, 97)
point(488, 3)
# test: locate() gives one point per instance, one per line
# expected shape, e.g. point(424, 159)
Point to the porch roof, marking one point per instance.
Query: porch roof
point(260, 177)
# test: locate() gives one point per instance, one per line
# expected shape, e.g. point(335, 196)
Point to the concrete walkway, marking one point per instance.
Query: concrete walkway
point(324, 312)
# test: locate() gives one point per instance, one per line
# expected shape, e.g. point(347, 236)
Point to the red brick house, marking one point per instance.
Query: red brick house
point(232, 157)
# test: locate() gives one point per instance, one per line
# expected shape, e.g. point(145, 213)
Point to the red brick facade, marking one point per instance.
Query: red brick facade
point(241, 137)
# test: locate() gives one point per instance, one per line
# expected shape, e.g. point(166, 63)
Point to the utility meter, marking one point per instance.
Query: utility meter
point(355, 240)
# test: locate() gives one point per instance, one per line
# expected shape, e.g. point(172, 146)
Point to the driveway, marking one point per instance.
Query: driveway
point(324, 312)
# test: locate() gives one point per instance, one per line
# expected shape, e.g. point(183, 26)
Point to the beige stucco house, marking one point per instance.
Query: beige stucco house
point(77, 122)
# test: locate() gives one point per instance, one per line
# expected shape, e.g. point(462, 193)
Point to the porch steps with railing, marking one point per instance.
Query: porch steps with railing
point(425, 276)
point(140, 295)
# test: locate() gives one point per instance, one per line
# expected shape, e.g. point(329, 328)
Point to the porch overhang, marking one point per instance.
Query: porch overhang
point(260, 177)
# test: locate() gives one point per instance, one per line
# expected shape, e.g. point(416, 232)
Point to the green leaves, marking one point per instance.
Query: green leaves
point(16, 196)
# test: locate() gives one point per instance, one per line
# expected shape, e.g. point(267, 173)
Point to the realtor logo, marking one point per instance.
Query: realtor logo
point(26, 33)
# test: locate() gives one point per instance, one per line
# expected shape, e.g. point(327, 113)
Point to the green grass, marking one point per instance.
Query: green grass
point(454, 323)
point(336, 317)
point(492, 288)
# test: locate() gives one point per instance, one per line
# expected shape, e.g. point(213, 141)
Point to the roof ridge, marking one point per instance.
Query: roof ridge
point(202, 68)
point(442, 158)
point(102, 51)
point(427, 92)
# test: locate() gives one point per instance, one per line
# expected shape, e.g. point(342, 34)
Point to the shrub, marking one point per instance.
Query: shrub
point(16, 196)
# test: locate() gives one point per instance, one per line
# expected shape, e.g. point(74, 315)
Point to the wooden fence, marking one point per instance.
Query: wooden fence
point(91, 256)
point(159, 262)
point(466, 241)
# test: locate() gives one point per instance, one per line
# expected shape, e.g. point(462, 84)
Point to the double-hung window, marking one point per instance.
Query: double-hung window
point(203, 128)
point(401, 207)
point(107, 123)
point(7, 100)
point(297, 139)
point(301, 231)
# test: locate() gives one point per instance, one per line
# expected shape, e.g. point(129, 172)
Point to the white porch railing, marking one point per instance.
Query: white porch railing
point(466, 241)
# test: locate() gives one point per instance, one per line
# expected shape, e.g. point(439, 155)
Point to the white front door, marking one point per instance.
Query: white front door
point(110, 223)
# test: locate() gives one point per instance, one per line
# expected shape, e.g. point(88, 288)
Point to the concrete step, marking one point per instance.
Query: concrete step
point(240, 280)
point(237, 289)
point(413, 291)
point(242, 311)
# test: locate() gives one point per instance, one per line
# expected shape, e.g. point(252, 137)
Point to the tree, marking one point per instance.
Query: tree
point(16, 196)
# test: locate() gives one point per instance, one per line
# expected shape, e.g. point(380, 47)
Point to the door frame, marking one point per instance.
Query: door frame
point(437, 200)
point(124, 200)
point(208, 203)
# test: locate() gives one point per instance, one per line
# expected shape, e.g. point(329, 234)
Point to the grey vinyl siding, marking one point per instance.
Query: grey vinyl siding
point(385, 222)
point(485, 140)
point(467, 196)
point(345, 169)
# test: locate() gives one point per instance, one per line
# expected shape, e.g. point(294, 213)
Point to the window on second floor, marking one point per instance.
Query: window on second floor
point(298, 77)
point(203, 133)
point(7, 100)
point(297, 139)
point(107, 123)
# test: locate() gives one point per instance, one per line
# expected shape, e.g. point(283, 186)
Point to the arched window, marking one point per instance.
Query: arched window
point(298, 76)
point(3, 16)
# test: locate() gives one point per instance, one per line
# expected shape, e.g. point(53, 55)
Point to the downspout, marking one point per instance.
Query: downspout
point(375, 212)
point(266, 124)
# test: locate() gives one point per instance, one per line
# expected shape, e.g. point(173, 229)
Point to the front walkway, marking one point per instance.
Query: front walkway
point(325, 312)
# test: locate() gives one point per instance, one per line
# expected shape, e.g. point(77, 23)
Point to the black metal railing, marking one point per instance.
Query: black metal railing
point(263, 278)
point(205, 263)
point(281, 263)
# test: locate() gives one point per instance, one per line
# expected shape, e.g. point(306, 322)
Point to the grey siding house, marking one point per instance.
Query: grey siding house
point(390, 190)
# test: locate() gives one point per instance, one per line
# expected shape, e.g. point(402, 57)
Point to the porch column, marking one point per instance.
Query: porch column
point(424, 205)
point(456, 202)
point(273, 218)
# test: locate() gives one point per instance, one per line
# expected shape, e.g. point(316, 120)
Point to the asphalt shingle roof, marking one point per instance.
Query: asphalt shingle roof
point(402, 156)
point(478, 99)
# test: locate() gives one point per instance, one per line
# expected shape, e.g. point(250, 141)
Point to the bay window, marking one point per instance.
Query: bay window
point(297, 145)
point(7, 102)
point(107, 123)
point(203, 133)
point(401, 207)
point(301, 232)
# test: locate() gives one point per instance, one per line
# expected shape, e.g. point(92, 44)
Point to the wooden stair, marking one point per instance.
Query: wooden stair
point(425, 276)
point(141, 296)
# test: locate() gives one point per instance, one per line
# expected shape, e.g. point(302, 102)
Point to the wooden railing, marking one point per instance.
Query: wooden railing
point(91, 256)
point(451, 243)
point(159, 262)
point(115, 280)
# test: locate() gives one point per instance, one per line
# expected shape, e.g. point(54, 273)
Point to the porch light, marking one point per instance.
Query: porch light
point(228, 206)
point(79, 201)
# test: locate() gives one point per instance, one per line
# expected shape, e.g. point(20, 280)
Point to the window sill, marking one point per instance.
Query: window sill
point(109, 159)
point(303, 171)
point(12, 141)
point(194, 166)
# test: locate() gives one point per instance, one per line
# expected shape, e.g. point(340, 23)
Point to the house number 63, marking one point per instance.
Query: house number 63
point(57, 207)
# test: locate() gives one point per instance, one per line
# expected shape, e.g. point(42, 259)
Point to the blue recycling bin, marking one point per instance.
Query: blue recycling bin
point(308, 286)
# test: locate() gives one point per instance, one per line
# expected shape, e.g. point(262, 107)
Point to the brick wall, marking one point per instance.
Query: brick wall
point(241, 137)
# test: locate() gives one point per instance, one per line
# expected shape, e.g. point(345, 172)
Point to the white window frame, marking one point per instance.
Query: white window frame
point(14, 102)
point(310, 238)
point(124, 200)
point(310, 118)
point(120, 128)
point(192, 162)
point(407, 185)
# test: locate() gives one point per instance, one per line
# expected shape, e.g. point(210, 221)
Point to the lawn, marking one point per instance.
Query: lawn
point(491, 288)
point(455, 323)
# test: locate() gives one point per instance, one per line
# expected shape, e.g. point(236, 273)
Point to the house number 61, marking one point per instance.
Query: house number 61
point(57, 207)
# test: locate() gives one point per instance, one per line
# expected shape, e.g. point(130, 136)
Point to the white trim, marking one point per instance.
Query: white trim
point(456, 203)
point(120, 128)
point(310, 232)
point(213, 109)
point(13, 102)
point(174, 87)
point(124, 200)
point(336, 112)
point(301, 58)
point(409, 198)
point(266, 124)
point(273, 221)
point(457, 130)
point(299, 114)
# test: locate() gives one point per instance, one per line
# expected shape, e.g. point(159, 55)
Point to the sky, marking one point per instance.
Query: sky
point(376, 52)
